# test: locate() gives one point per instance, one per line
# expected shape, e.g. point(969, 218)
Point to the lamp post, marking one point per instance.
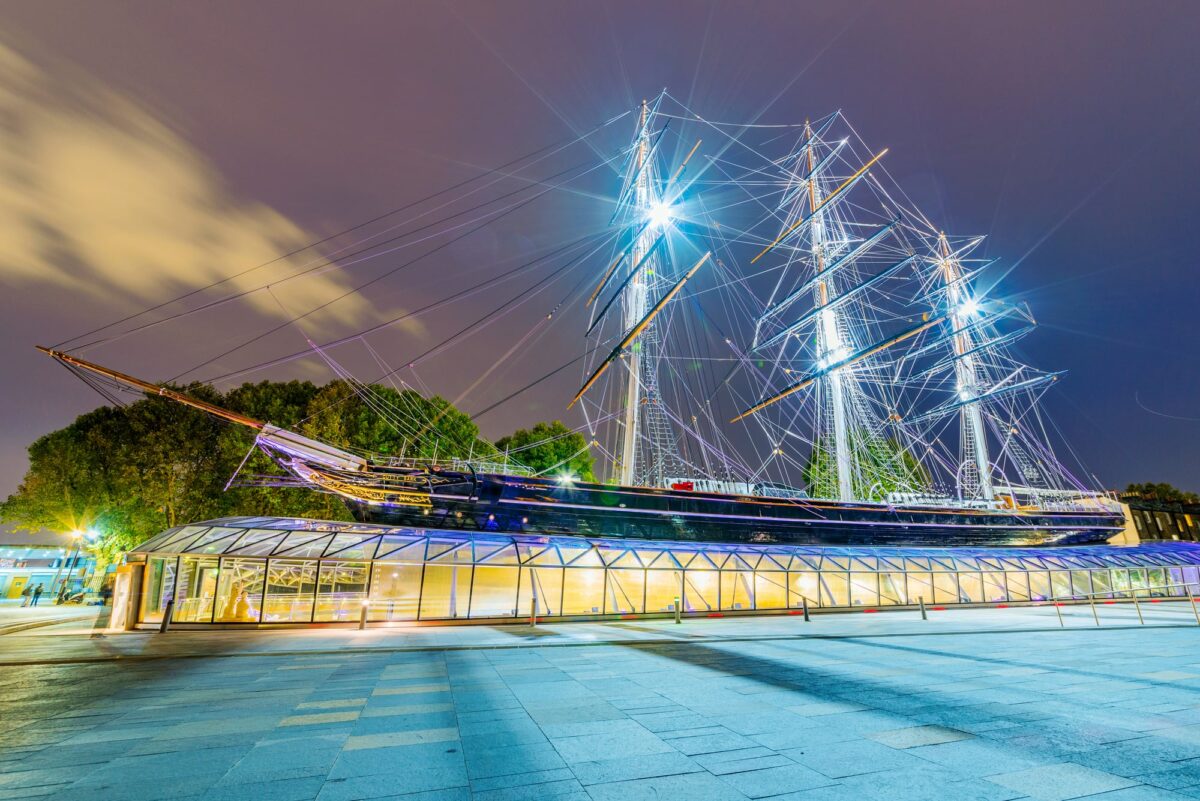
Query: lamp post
point(79, 537)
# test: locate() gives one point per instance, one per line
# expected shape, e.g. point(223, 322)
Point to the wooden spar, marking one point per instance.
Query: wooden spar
point(849, 294)
point(621, 288)
point(871, 351)
point(828, 198)
point(153, 389)
point(637, 329)
point(688, 158)
point(608, 274)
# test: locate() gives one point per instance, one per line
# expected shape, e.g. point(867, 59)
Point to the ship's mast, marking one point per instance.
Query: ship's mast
point(647, 456)
point(633, 303)
point(976, 469)
point(829, 336)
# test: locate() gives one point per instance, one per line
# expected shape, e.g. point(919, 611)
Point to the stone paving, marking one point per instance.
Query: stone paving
point(978, 704)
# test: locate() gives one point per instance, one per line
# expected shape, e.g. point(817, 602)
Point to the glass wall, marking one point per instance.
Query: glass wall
point(341, 590)
point(196, 589)
point(291, 588)
point(240, 591)
point(158, 587)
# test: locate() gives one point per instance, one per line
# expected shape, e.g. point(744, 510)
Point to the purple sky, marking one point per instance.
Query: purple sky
point(160, 146)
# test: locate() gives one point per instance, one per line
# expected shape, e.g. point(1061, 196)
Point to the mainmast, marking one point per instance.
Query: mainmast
point(829, 338)
point(976, 474)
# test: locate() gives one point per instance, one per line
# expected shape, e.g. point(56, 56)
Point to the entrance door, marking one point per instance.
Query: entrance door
point(18, 584)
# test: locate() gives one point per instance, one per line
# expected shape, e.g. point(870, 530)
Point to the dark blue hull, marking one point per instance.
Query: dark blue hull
point(541, 506)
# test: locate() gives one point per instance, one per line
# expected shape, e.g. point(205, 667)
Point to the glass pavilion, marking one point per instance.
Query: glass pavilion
point(266, 570)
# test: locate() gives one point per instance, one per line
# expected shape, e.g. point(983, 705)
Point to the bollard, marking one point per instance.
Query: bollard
point(1058, 608)
point(166, 621)
point(804, 600)
point(678, 611)
point(1095, 614)
point(921, 601)
point(1195, 611)
point(362, 616)
point(1138, 607)
point(533, 612)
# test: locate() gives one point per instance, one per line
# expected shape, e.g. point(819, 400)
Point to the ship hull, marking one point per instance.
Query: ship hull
point(538, 506)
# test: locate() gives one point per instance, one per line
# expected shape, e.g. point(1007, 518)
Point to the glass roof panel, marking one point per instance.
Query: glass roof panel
point(216, 540)
point(303, 543)
point(261, 546)
point(351, 546)
point(588, 558)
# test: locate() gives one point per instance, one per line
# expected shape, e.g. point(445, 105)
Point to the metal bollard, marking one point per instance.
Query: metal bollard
point(1058, 608)
point(678, 611)
point(1138, 607)
point(533, 612)
point(804, 602)
point(921, 601)
point(166, 621)
point(362, 616)
point(1195, 611)
point(1095, 614)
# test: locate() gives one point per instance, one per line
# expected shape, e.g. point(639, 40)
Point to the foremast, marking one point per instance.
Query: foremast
point(646, 440)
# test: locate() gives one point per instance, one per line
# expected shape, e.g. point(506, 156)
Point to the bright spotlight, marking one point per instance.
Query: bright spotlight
point(566, 479)
point(659, 214)
point(968, 307)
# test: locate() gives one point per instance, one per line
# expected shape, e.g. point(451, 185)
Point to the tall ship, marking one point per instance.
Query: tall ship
point(778, 347)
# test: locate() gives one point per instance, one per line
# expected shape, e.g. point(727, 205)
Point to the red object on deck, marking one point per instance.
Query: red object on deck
point(686, 486)
point(715, 614)
point(938, 608)
point(868, 611)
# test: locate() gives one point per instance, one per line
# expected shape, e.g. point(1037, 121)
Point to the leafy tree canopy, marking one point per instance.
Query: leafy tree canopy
point(1164, 493)
point(550, 448)
point(131, 472)
point(881, 465)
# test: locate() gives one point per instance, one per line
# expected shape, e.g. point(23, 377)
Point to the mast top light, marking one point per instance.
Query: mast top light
point(659, 214)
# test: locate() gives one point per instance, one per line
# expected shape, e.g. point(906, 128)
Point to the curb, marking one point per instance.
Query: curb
point(36, 624)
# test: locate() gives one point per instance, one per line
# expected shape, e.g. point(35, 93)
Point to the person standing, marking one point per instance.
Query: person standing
point(25, 593)
point(37, 593)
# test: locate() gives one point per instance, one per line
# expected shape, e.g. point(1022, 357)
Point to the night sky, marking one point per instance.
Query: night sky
point(150, 148)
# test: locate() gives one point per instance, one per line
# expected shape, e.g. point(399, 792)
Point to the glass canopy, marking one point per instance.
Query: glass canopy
point(288, 570)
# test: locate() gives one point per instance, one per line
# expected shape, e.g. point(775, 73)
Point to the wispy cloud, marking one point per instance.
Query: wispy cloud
point(99, 197)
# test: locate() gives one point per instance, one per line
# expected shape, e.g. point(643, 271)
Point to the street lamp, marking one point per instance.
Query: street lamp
point(78, 536)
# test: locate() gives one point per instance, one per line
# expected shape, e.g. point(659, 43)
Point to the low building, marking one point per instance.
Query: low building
point(1155, 520)
point(29, 558)
point(287, 571)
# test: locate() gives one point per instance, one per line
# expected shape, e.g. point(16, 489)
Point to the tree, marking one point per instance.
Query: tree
point(881, 465)
point(1164, 493)
point(131, 472)
point(550, 448)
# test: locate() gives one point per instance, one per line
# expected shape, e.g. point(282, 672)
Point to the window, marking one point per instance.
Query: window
point(395, 591)
point(196, 589)
point(159, 587)
point(291, 590)
point(240, 591)
point(341, 589)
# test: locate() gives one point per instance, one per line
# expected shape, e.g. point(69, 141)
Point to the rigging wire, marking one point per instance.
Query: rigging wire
point(555, 146)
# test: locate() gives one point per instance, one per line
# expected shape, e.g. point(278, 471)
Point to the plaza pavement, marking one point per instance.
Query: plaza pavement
point(971, 704)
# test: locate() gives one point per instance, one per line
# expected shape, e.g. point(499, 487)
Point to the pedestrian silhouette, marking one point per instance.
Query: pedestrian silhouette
point(37, 593)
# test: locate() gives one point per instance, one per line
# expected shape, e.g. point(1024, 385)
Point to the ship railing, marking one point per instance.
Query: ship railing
point(458, 465)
